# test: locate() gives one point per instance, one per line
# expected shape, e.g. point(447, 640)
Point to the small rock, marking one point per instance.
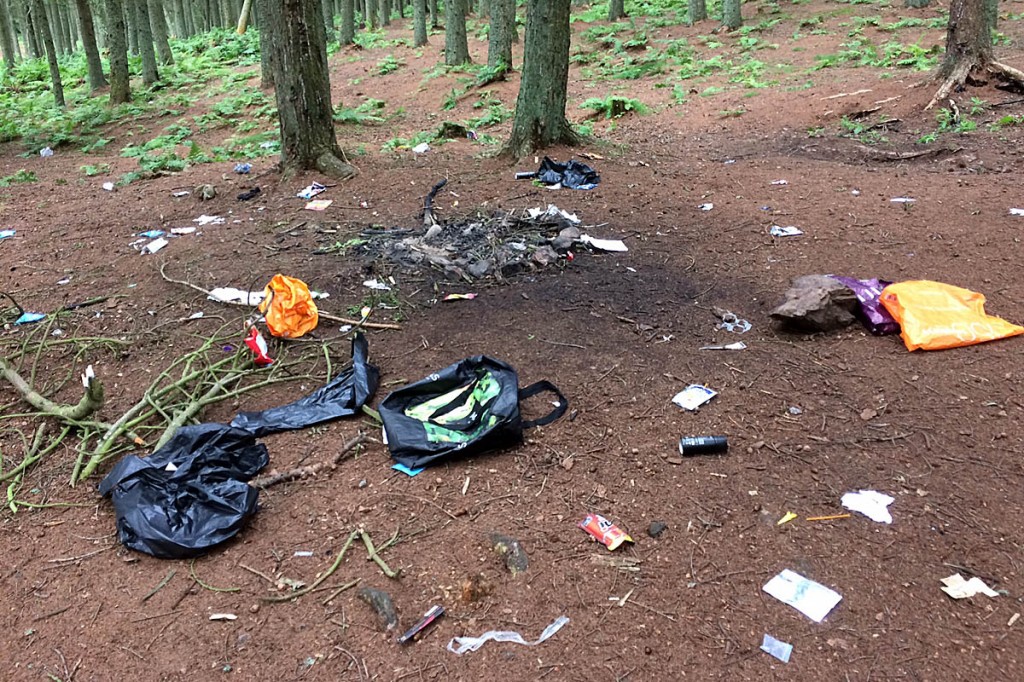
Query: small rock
point(362, 483)
point(568, 462)
point(868, 414)
point(565, 239)
point(381, 603)
point(433, 233)
point(544, 256)
point(516, 560)
point(656, 528)
point(817, 303)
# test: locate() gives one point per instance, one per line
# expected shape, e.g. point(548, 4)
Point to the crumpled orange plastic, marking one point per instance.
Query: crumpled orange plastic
point(288, 307)
point(936, 316)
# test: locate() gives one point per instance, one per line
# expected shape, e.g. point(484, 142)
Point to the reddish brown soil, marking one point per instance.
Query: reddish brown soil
point(619, 334)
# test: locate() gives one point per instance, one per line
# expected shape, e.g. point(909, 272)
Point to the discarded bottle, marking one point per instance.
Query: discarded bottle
point(690, 446)
point(526, 175)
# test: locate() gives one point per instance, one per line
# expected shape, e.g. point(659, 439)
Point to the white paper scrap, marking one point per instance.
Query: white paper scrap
point(552, 211)
point(788, 231)
point(777, 648)
point(693, 396)
point(1017, 211)
point(208, 220)
point(706, 207)
point(421, 148)
point(223, 616)
point(461, 645)
point(812, 599)
point(604, 244)
point(870, 503)
point(902, 200)
point(109, 186)
point(232, 295)
point(183, 230)
point(780, 182)
point(958, 588)
point(739, 345)
point(376, 285)
point(155, 245)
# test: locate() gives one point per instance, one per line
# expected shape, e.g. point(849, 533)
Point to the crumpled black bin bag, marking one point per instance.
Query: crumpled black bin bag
point(344, 396)
point(188, 496)
point(572, 174)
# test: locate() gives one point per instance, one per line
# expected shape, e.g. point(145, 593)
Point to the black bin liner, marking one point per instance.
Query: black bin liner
point(188, 496)
point(467, 408)
point(572, 174)
point(344, 396)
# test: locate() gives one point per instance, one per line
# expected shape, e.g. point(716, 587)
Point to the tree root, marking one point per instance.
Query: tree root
point(328, 163)
point(958, 78)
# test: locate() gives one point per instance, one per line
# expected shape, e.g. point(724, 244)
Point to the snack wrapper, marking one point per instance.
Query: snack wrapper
point(604, 531)
point(258, 345)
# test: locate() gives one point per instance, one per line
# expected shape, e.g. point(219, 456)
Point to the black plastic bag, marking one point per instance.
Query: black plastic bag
point(467, 408)
point(571, 174)
point(188, 496)
point(344, 396)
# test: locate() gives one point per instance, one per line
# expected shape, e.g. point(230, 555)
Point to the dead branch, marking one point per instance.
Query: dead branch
point(326, 316)
point(274, 477)
point(428, 204)
point(91, 400)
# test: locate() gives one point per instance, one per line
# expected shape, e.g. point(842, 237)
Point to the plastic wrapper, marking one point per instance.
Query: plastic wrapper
point(936, 316)
point(190, 495)
point(343, 396)
point(461, 645)
point(258, 345)
point(872, 313)
point(465, 409)
point(288, 307)
point(604, 531)
point(572, 174)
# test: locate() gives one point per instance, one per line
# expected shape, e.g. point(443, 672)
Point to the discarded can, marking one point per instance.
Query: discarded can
point(604, 531)
point(690, 446)
point(526, 175)
point(429, 617)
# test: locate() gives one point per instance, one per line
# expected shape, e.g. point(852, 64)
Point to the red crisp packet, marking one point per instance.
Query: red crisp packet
point(258, 346)
point(604, 531)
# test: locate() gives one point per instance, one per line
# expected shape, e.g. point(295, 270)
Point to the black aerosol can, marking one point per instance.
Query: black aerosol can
point(690, 446)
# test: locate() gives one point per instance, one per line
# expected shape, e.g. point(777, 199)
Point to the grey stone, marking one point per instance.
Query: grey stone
point(481, 268)
point(817, 303)
point(544, 256)
point(656, 528)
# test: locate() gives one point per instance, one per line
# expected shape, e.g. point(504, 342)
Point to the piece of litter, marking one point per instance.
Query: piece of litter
point(29, 318)
point(731, 323)
point(208, 220)
point(62, 282)
point(958, 588)
point(269, 144)
point(604, 531)
point(552, 211)
point(461, 645)
point(421, 148)
point(408, 471)
point(604, 244)
point(376, 285)
point(223, 616)
point(422, 624)
point(311, 191)
point(693, 396)
point(46, 152)
point(5, 234)
point(789, 516)
point(706, 207)
point(870, 503)
point(830, 517)
point(182, 230)
point(243, 168)
point(1017, 211)
point(109, 186)
point(459, 297)
point(902, 200)
point(232, 295)
point(795, 410)
point(196, 315)
point(303, 552)
point(152, 234)
point(777, 648)
point(788, 231)
point(154, 246)
point(1013, 619)
point(739, 345)
point(855, 192)
point(812, 599)
point(780, 182)
point(180, 193)
point(88, 376)
point(345, 328)
point(319, 204)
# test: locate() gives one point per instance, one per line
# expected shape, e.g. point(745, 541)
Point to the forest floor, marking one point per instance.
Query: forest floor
point(808, 417)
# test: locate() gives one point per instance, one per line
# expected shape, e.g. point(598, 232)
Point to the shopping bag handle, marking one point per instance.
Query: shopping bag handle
point(544, 387)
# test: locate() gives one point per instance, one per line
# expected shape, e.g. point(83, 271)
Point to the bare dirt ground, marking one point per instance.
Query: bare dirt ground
point(619, 334)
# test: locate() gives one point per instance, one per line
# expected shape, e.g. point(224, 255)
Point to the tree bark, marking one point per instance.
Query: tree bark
point(456, 44)
point(385, 12)
point(419, 23)
point(371, 14)
point(243, 17)
point(305, 114)
point(267, 39)
point(499, 37)
point(158, 23)
point(328, 13)
point(52, 15)
point(92, 54)
point(732, 18)
point(435, 20)
point(131, 19)
point(698, 10)
point(616, 10)
point(30, 32)
point(150, 75)
point(540, 108)
point(348, 22)
point(20, 17)
point(117, 46)
point(917, 4)
point(51, 52)
point(7, 36)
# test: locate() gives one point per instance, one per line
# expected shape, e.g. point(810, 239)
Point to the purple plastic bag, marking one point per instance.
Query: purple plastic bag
point(872, 313)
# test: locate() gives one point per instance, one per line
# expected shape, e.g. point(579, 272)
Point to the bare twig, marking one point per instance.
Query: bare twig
point(324, 576)
point(273, 478)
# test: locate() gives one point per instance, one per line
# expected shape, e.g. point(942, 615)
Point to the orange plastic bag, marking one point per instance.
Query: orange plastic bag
point(288, 307)
point(935, 316)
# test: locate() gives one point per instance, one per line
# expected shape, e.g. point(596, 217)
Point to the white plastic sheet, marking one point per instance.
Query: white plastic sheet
point(870, 503)
point(461, 645)
point(812, 599)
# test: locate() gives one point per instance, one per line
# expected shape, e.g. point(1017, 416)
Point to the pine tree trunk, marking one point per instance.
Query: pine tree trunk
point(348, 22)
point(456, 44)
point(968, 39)
point(52, 17)
point(117, 45)
point(698, 10)
point(92, 53)
point(158, 22)
point(189, 15)
point(540, 108)
point(305, 113)
point(150, 75)
point(385, 12)
point(22, 27)
point(499, 38)
point(266, 46)
point(616, 10)
point(435, 20)
point(328, 13)
point(243, 17)
point(732, 18)
point(39, 13)
point(372, 14)
point(419, 22)
point(131, 22)
point(917, 4)
point(7, 36)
